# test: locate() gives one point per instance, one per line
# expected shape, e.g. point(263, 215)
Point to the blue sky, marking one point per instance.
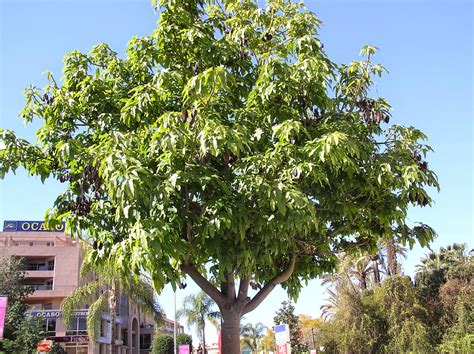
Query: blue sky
point(425, 45)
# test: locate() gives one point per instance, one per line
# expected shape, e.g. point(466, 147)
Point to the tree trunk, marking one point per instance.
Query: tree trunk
point(363, 281)
point(230, 333)
point(113, 318)
point(392, 256)
point(375, 266)
point(233, 305)
point(204, 336)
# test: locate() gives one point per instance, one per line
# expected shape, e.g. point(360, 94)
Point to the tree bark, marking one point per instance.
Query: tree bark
point(375, 266)
point(363, 281)
point(392, 256)
point(230, 332)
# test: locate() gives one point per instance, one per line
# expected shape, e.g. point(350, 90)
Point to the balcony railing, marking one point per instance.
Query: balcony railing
point(27, 267)
point(41, 286)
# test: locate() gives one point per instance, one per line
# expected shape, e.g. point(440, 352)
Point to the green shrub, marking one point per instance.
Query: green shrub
point(162, 344)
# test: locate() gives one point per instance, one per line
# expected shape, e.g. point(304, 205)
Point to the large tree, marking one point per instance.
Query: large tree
point(21, 333)
point(225, 146)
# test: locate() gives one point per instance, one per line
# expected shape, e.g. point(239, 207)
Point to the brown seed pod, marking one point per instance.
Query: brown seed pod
point(184, 115)
point(226, 158)
point(193, 117)
point(267, 37)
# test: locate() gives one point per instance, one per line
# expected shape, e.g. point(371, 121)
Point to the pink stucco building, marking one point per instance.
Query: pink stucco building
point(52, 263)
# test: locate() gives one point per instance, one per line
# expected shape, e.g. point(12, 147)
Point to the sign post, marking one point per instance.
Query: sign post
point(282, 339)
point(3, 313)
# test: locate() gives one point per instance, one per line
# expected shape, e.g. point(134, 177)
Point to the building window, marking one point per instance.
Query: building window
point(17, 243)
point(125, 337)
point(48, 306)
point(145, 341)
point(103, 328)
point(39, 265)
point(49, 325)
point(50, 244)
point(78, 327)
point(50, 265)
point(118, 330)
point(31, 243)
point(103, 348)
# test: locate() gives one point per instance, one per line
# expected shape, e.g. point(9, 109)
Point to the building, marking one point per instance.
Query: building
point(52, 264)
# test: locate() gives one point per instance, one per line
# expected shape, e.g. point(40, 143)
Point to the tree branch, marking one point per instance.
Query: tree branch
point(228, 286)
point(243, 288)
point(203, 283)
point(267, 289)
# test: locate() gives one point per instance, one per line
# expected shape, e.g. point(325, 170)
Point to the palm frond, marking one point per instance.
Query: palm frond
point(215, 322)
point(78, 298)
point(142, 294)
point(94, 315)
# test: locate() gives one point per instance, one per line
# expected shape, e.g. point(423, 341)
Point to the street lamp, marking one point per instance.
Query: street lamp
point(182, 285)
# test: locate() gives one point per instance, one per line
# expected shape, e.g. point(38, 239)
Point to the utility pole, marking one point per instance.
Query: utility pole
point(174, 329)
point(312, 333)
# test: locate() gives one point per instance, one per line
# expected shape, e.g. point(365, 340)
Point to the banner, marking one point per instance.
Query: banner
point(57, 313)
point(3, 313)
point(283, 348)
point(183, 349)
point(71, 339)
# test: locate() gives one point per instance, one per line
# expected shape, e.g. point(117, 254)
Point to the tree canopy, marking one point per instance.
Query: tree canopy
point(226, 145)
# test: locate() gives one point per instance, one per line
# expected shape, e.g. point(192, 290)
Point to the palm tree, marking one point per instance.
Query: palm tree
point(333, 302)
point(392, 249)
point(360, 269)
point(102, 293)
point(197, 309)
point(375, 267)
point(352, 276)
point(444, 258)
point(251, 335)
point(431, 262)
point(354, 269)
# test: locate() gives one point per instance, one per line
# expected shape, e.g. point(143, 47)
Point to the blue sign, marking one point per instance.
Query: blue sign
point(29, 226)
point(57, 313)
point(282, 334)
point(280, 328)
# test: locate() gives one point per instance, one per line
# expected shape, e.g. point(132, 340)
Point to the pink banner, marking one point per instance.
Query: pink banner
point(183, 349)
point(3, 312)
